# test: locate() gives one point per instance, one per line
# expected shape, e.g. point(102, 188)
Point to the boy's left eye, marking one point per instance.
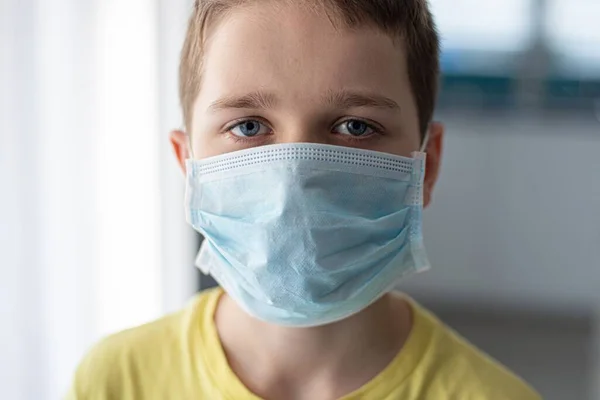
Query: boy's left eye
point(354, 127)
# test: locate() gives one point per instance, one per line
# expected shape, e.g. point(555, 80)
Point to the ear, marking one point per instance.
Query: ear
point(179, 141)
point(434, 157)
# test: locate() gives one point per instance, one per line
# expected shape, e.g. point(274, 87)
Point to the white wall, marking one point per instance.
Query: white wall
point(179, 240)
point(20, 313)
point(516, 214)
point(514, 236)
point(92, 229)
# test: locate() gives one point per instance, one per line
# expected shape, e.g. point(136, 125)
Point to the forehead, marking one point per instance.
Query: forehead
point(300, 54)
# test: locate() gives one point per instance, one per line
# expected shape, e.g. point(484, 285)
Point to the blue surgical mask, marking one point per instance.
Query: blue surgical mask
point(307, 234)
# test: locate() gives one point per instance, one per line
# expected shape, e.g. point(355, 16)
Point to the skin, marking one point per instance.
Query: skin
point(299, 79)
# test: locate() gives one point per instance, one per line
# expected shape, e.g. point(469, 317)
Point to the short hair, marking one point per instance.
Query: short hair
point(409, 20)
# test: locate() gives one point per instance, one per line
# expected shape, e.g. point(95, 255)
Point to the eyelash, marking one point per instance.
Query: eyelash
point(377, 130)
point(241, 139)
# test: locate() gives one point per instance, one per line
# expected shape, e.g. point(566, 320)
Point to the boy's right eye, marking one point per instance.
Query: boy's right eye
point(249, 128)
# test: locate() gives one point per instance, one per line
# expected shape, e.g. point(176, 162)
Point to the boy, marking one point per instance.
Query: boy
point(303, 123)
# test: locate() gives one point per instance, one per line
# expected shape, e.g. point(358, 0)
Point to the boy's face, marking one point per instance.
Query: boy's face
point(280, 74)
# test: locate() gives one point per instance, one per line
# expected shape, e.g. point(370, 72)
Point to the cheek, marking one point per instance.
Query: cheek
point(205, 145)
point(403, 138)
point(206, 141)
point(403, 135)
point(399, 144)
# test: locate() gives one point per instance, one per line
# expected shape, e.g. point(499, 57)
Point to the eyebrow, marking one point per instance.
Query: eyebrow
point(348, 99)
point(254, 100)
point(338, 99)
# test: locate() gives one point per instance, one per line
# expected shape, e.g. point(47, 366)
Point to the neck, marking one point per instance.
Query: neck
point(336, 358)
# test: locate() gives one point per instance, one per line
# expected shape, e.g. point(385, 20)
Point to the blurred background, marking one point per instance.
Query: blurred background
point(92, 230)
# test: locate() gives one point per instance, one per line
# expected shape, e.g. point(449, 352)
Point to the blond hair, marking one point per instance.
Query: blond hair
point(410, 20)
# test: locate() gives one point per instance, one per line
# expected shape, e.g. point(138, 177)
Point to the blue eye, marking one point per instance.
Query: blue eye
point(249, 128)
point(354, 127)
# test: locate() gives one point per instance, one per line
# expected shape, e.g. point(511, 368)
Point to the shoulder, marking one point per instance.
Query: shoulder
point(118, 363)
point(109, 366)
point(460, 370)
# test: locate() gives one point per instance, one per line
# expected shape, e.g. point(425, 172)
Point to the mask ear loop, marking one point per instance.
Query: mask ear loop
point(189, 143)
point(425, 141)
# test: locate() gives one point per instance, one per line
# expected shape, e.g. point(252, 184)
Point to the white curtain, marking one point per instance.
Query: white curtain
point(92, 232)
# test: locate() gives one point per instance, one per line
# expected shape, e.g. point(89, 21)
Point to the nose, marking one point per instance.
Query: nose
point(303, 133)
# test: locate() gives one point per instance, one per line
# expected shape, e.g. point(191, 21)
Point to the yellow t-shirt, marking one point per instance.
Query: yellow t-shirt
point(180, 357)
